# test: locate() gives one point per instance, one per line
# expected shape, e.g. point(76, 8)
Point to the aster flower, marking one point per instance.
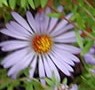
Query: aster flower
point(41, 43)
point(90, 56)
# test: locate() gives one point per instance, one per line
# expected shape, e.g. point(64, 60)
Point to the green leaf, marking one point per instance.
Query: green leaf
point(65, 81)
point(43, 3)
point(10, 87)
point(12, 3)
point(87, 82)
point(3, 2)
point(80, 20)
point(23, 3)
point(24, 71)
point(56, 3)
point(87, 47)
point(3, 84)
point(31, 3)
point(49, 82)
point(29, 86)
point(7, 16)
point(55, 15)
point(37, 3)
point(79, 39)
point(37, 85)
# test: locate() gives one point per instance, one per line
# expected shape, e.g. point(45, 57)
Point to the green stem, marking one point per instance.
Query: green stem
point(88, 3)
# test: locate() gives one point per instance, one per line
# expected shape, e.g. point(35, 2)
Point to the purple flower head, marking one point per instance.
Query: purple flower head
point(90, 56)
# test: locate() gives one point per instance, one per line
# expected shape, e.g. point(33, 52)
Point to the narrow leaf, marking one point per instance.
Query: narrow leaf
point(3, 2)
point(87, 47)
point(31, 3)
point(37, 3)
point(43, 3)
point(49, 82)
point(23, 3)
point(79, 39)
point(55, 15)
point(12, 3)
point(65, 81)
point(29, 86)
point(10, 87)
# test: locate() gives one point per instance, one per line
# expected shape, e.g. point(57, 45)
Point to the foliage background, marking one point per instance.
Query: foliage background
point(83, 19)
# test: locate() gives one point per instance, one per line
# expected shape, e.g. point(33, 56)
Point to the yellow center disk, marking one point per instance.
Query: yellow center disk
point(42, 43)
